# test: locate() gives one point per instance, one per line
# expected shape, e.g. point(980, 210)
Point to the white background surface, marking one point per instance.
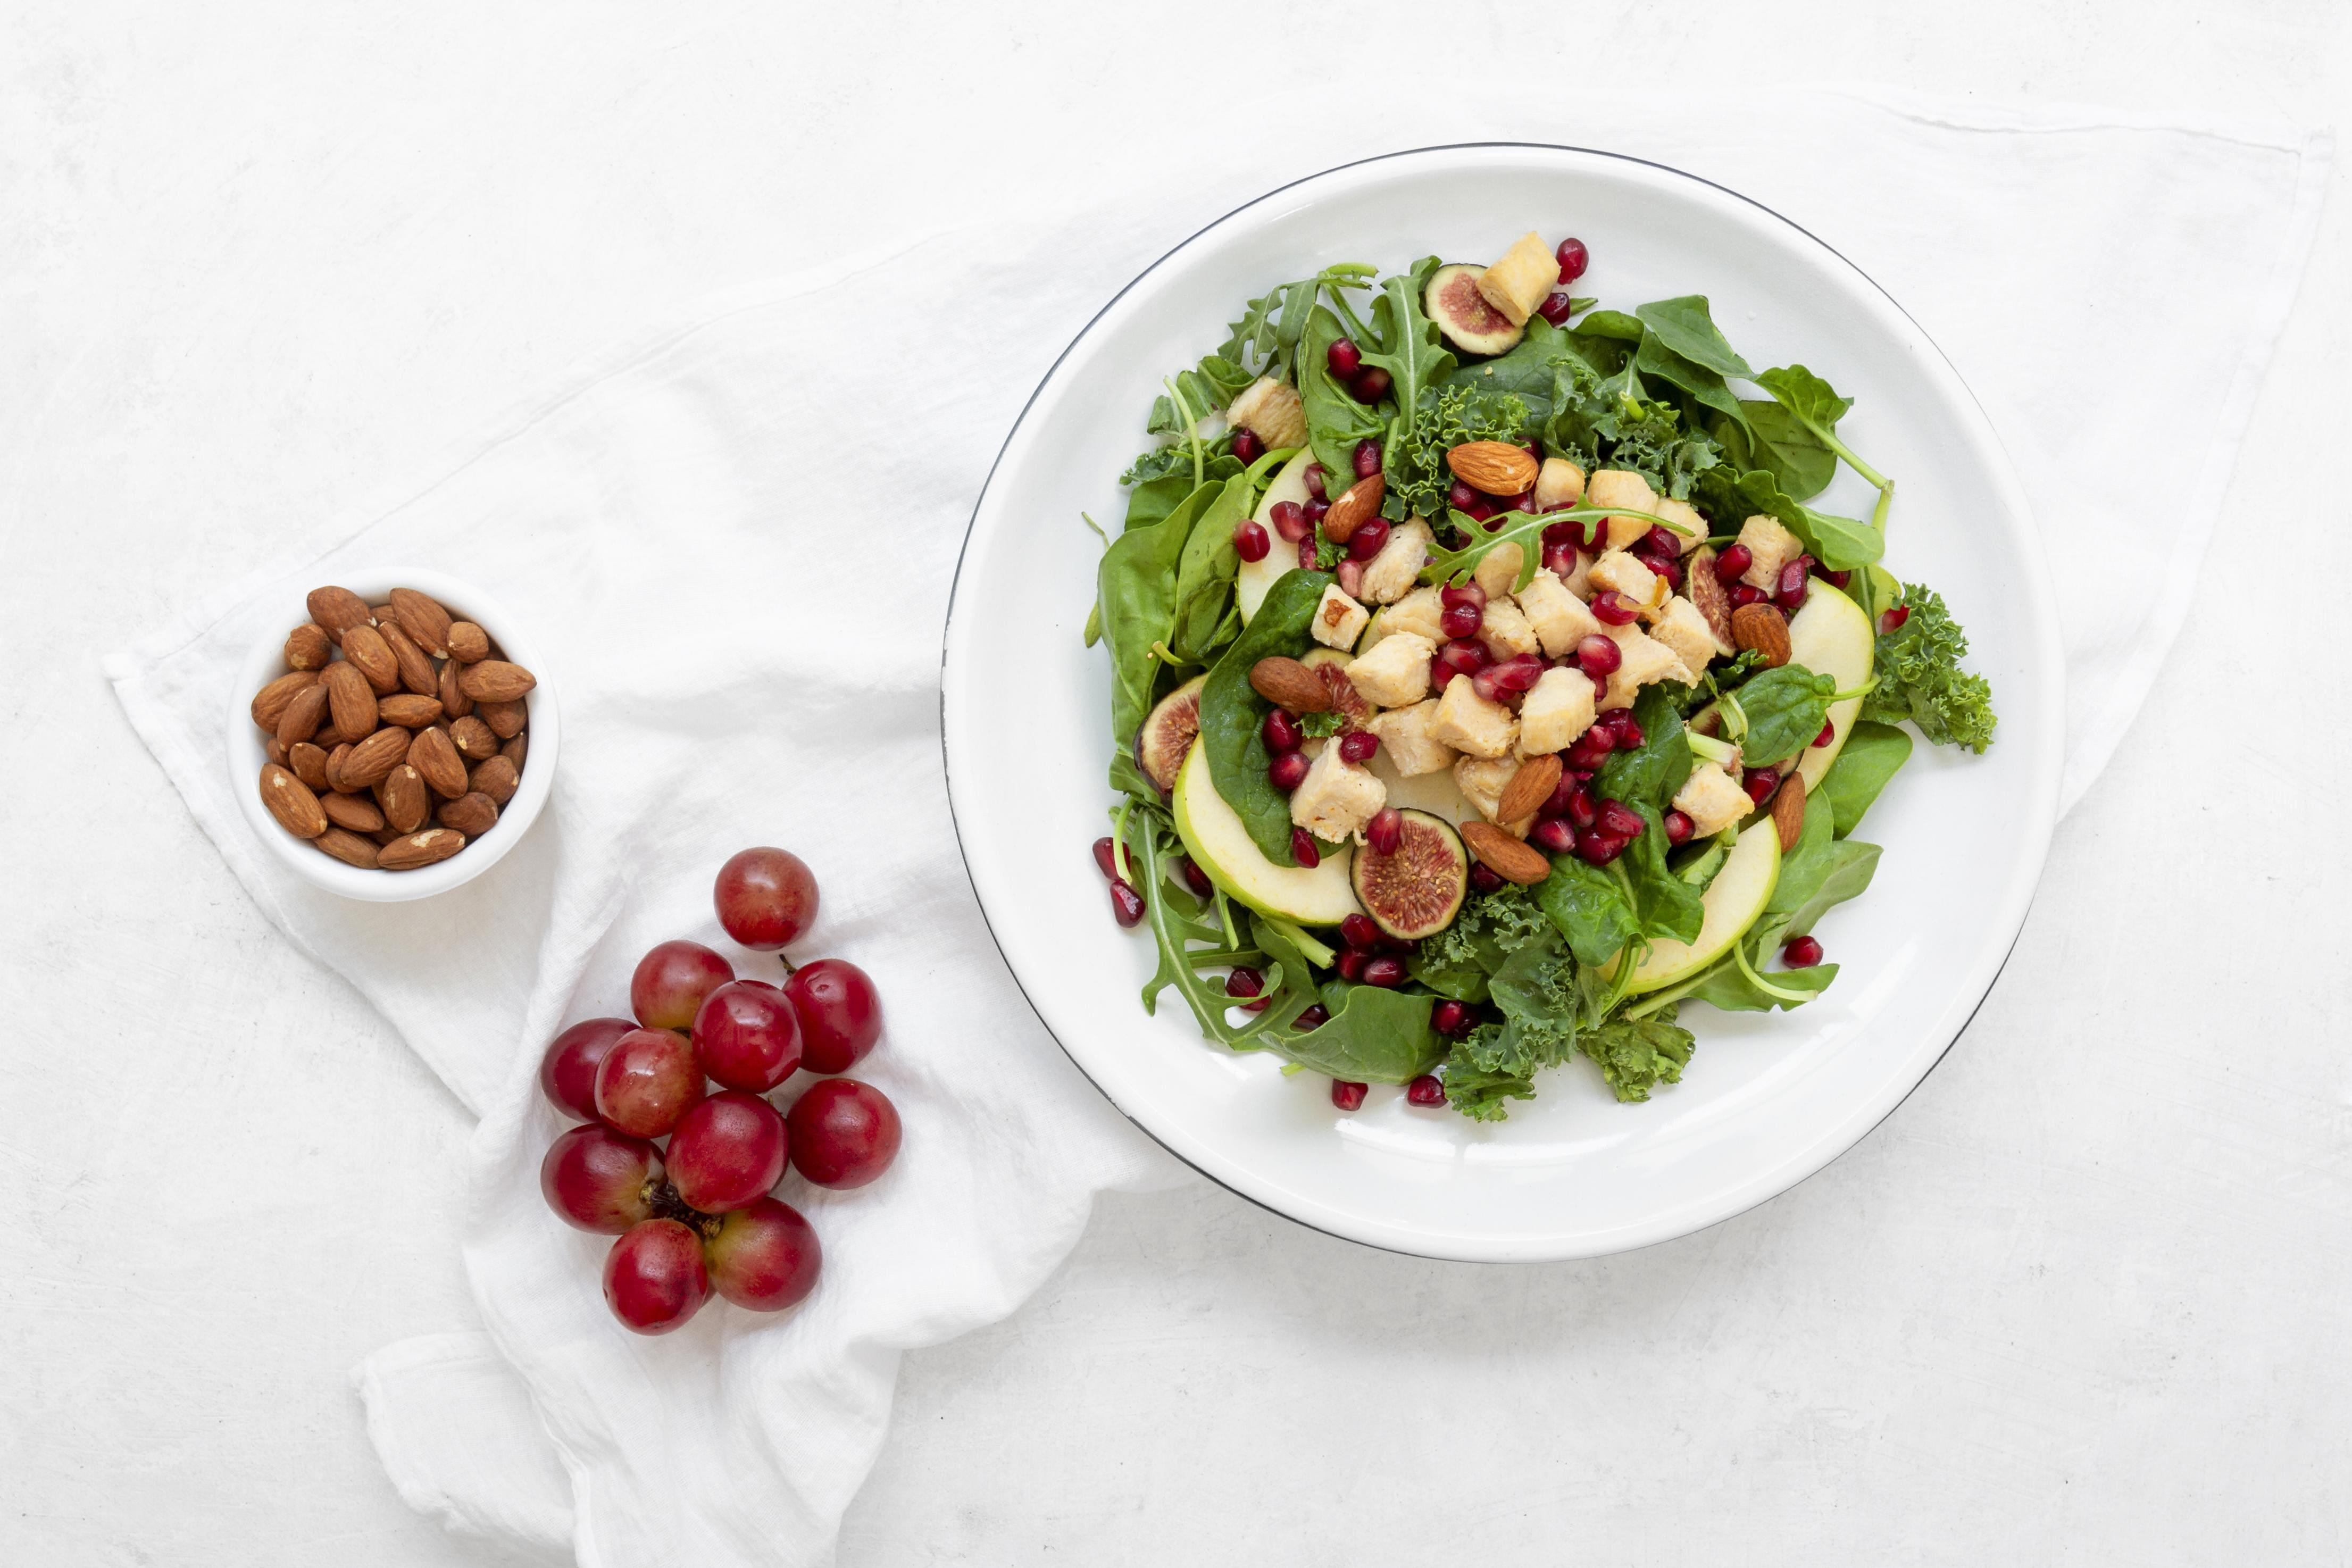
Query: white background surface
point(2079, 1299)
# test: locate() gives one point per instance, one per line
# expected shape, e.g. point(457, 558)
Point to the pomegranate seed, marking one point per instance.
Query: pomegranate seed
point(1461, 621)
point(1426, 1090)
point(1792, 594)
point(1441, 673)
point(1583, 811)
point(1315, 1017)
point(1357, 746)
point(1484, 879)
point(1800, 952)
point(1460, 497)
point(1450, 1017)
point(1369, 536)
point(1464, 596)
point(1250, 541)
point(1614, 609)
point(1387, 972)
point(1563, 533)
point(1194, 878)
point(1839, 580)
point(1385, 832)
point(1561, 793)
point(1556, 307)
point(1126, 903)
point(1520, 673)
point(1829, 733)
point(1621, 820)
point(1351, 577)
point(1679, 827)
point(1573, 260)
point(1672, 571)
point(1624, 727)
point(1553, 836)
point(1366, 459)
point(1344, 358)
point(1465, 656)
point(1315, 482)
point(1892, 620)
point(1735, 559)
point(1345, 1095)
point(1744, 595)
point(1761, 783)
point(1247, 446)
point(1315, 510)
point(1663, 540)
point(1525, 501)
point(1289, 520)
point(1598, 656)
point(1302, 843)
point(1351, 964)
point(1480, 510)
point(1306, 554)
point(1246, 982)
point(1486, 684)
point(1103, 856)
point(1592, 749)
point(1595, 847)
point(1559, 560)
point(1288, 771)
point(1369, 385)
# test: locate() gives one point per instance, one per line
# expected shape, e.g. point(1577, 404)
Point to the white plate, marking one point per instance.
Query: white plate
point(1768, 1098)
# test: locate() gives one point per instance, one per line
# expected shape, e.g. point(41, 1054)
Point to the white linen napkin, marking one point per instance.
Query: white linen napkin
point(736, 535)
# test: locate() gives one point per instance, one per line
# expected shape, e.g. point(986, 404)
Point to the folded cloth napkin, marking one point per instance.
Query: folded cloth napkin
point(735, 536)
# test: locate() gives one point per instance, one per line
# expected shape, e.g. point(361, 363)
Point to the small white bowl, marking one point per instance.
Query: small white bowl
point(249, 748)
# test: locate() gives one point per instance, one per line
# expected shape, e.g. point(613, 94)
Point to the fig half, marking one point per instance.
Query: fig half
point(1463, 315)
point(1166, 737)
point(1417, 890)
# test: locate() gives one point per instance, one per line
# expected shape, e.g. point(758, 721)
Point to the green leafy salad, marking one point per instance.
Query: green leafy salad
point(1485, 687)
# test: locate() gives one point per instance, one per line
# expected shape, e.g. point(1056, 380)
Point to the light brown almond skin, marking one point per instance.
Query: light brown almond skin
point(1788, 810)
point(349, 699)
point(468, 642)
point(269, 702)
point(355, 812)
point(1286, 683)
point(303, 716)
point(1705, 590)
point(454, 703)
point(476, 741)
point(337, 610)
point(497, 778)
point(506, 719)
point(349, 847)
point(337, 755)
point(1503, 855)
point(1529, 789)
point(422, 618)
point(371, 760)
point(308, 647)
point(495, 680)
point(409, 711)
point(276, 753)
point(1497, 468)
point(365, 648)
point(1764, 628)
point(309, 763)
point(514, 750)
point(403, 798)
point(472, 813)
point(1357, 506)
point(433, 754)
point(416, 671)
point(411, 851)
point(290, 800)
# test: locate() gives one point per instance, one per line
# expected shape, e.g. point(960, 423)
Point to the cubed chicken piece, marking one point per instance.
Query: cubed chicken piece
point(1504, 630)
point(1417, 613)
point(1711, 800)
point(1691, 530)
point(1623, 574)
point(1559, 617)
point(1643, 659)
point(1683, 628)
point(1391, 575)
point(1407, 743)
point(1556, 711)
point(1271, 410)
point(1395, 674)
point(1339, 619)
point(1498, 570)
point(1469, 722)
point(1336, 798)
point(1557, 483)
point(1771, 547)
point(1621, 488)
point(1483, 779)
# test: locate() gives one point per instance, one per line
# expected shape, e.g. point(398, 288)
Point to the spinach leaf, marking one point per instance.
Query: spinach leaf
point(1334, 421)
point(1232, 712)
point(1872, 754)
point(1684, 326)
point(1175, 462)
point(1373, 1035)
point(1587, 905)
point(1653, 772)
point(1920, 678)
point(1786, 708)
point(1806, 395)
point(1204, 576)
point(1728, 985)
point(1636, 1055)
point(1730, 499)
point(1781, 446)
point(1529, 372)
point(1458, 961)
point(1851, 866)
point(1666, 905)
point(1409, 348)
point(1806, 866)
point(1704, 386)
point(1136, 592)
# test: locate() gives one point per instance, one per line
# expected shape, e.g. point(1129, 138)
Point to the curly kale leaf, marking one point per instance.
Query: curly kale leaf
point(1636, 1055)
point(1536, 989)
point(1445, 417)
point(1479, 1094)
point(1461, 960)
point(1920, 678)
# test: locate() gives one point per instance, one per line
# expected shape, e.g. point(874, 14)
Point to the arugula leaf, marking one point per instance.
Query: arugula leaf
point(1409, 348)
point(1232, 713)
point(1588, 906)
point(1872, 754)
point(1785, 708)
point(1920, 678)
point(1173, 464)
point(1206, 388)
point(1636, 1055)
point(1684, 326)
point(1334, 421)
point(1204, 576)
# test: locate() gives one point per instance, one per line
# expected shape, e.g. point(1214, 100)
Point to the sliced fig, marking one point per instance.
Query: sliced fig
point(1166, 737)
point(1417, 890)
point(1462, 314)
point(1346, 700)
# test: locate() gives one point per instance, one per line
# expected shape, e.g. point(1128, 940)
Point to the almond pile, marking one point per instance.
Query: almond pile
point(396, 734)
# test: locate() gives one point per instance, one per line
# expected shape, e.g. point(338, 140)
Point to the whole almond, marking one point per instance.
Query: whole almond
point(290, 800)
point(433, 754)
point(506, 719)
point(1286, 683)
point(365, 648)
point(1529, 788)
point(350, 698)
point(308, 647)
point(413, 849)
point(1497, 467)
point(337, 756)
point(514, 750)
point(454, 703)
point(355, 812)
point(348, 847)
point(381, 614)
point(468, 642)
point(474, 740)
point(422, 618)
point(269, 702)
point(1763, 628)
point(371, 759)
point(337, 610)
point(1358, 506)
point(309, 763)
point(497, 778)
point(495, 680)
point(405, 799)
point(409, 711)
point(1707, 591)
point(1503, 855)
point(1788, 810)
point(472, 813)
point(303, 716)
point(416, 671)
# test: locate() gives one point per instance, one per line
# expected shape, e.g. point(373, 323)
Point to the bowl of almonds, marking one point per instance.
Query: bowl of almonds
point(397, 741)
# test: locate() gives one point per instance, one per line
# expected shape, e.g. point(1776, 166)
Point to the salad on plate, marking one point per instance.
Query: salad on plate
point(1485, 687)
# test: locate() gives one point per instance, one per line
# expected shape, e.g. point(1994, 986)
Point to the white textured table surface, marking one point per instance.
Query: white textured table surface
point(2078, 1299)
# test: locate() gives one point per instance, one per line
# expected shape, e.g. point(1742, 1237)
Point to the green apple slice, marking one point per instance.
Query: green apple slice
point(1831, 636)
point(1733, 901)
point(1257, 577)
point(1215, 837)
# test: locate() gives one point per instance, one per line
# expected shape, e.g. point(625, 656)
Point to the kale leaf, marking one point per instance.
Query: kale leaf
point(1446, 416)
point(1920, 678)
point(1459, 961)
point(1636, 1055)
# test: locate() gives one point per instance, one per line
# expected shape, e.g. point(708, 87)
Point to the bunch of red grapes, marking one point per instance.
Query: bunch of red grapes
point(699, 1214)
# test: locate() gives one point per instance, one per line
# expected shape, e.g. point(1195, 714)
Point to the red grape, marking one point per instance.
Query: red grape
point(727, 1151)
point(654, 1276)
point(646, 1081)
point(671, 981)
point(765, 1256)
point(748, 1035)
point(766, 898)
point(598, 1179)
point(567, 1074)
point(840, 1016)
point(843, 1133)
